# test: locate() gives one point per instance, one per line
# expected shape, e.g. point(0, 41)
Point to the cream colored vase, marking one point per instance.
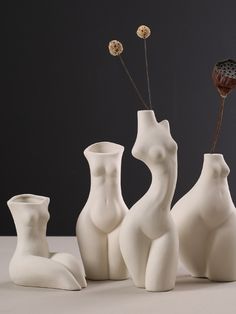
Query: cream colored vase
point(32, 264)
point(148, 237)
point(206, 222)
point(98, 225)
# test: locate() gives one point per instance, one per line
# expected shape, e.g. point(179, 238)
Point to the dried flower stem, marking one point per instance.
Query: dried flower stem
point(218, 125)
point(132, 82)
point(147, 73)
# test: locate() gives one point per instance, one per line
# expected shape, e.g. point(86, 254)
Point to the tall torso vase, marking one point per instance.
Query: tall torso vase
point(148, 237)
point(98, 225)
point(32, 264)
point(206, 222)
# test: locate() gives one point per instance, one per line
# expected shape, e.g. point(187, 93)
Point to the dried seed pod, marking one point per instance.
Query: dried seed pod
point(224, 76)
point(143, 31)
point(115, 48)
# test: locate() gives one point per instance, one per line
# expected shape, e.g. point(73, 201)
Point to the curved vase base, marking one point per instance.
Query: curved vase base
point(160, 289)
point(108, 278)
point(36, 271)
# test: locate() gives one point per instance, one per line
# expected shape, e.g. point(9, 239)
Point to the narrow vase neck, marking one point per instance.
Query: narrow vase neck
point(214, 168)
point(146, 120)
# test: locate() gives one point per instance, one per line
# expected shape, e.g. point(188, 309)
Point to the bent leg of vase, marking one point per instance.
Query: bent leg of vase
point(41, 272)
point(135, 248)
point(93, 245)
point(162, 264)
point(74, 265)
point(117, 267)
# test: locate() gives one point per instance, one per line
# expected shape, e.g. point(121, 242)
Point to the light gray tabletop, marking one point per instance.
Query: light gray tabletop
point(190, 296)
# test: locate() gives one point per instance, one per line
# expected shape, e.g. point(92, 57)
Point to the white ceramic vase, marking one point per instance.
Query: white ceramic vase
point(98, 225)
point(148, 237)
point(206, 221)
point(32, 264)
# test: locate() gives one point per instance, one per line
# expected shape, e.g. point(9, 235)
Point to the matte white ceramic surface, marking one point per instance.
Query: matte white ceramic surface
point(191, 295)
point(206, 222)
point(148, 237)
point(98, 225)
point(32, 264)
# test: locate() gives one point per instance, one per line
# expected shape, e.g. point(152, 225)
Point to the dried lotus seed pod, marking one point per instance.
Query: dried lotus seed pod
point(143, 31)
point(115, 47)
point(224, 76)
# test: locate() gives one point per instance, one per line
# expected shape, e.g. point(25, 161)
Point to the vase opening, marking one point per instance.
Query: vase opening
point(104, 148)
point(27, 199)
point(214, 156)
point(146, 110)
point(214, 164)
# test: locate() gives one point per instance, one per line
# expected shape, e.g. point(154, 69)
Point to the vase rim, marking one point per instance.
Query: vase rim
point(213, 154)
point(145, 110)
point(30, 199)
point(104, 148)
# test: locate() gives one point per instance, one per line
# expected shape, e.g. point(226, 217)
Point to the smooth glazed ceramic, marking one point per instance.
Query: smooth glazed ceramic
point(98, 225)
point(148, 237)
point(206, 221)
point(32, 264)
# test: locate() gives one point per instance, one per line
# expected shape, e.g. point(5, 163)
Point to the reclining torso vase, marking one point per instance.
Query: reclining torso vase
point(32, 264)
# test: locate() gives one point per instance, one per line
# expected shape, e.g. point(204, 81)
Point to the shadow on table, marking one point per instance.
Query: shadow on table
point(124, 287)
point(110, 287)
point(187, 282)
point(183, 283)
point(10, 286)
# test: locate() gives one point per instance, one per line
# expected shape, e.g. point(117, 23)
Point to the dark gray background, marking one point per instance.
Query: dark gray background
point(62, 91)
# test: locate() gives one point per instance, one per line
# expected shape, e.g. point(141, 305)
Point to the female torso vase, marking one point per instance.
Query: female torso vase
point(98, 225)
point(206, 222)
point(32, 264)
point(148, 237)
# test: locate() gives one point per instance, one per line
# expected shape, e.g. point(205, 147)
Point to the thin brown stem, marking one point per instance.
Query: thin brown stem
point(218, 125)
point(147, 73)
point(132, 82)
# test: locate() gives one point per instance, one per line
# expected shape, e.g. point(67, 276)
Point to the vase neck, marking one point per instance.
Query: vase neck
point(214, 168)
point(146, 120)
